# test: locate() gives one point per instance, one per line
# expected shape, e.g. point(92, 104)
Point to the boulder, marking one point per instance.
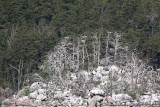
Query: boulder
point(41, 97)
point(94, 72)
point(95, 100)
point(121, 97)
point(158, 98)
point(7, 102)
point(99, 69)
point(76, 100)
point(37, 85)
point(22, 101)
point(104, 78)
point(128, 103)
point(20, 93)
point(54, 103)
point(104, 83)
point(37, 103)
point(42, 91)
point(73, 76)
point(58, 94)
point(8, 92)
point(2, 91)
point(105, 73)
point(67, 93)
point(114, 68)
point(109, 99)
point(98, 75)
point(96, 91)
point(23, 98)
point(85, 75)
point(33, 95)
point(154, 98)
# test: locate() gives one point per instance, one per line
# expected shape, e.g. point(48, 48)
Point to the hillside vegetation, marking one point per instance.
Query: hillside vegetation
point(30, 29)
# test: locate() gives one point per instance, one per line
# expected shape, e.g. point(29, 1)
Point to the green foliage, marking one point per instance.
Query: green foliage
point(133, 95)
point(95, 65)
point(27, 92)
point(29, 29)
point(64, 71)
point(126, 87)
point(45, 73)
point(151, 48)
point(56, 99)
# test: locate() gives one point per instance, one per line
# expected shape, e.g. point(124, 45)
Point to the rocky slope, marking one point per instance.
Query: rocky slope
point(85, 88)
point(117, 78)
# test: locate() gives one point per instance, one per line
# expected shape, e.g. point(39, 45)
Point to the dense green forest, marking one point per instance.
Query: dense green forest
point(30, 28)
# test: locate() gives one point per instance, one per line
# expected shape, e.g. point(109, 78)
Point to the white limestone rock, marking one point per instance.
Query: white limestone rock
point(41, 97)
point(37, 103)
point(95, 100)
point(58, 94)
point(33, 95)
point(96, 91)
point(104, 78)
point(121, 97)
point(23, 98)
point(42, 91)
point(37, 85)
point(99, 69)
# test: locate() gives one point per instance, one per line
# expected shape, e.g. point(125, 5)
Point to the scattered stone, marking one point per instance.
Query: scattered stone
point(67, 93)
point(97, 91)
point(57, 95)
point(7, 102)
point(8, 92)
point(99, 69)
point(33, 95)
point(95, 100)
point(23, 101)
point(121, 97)
point(37, 103)
point(54, 104)
point(41, 91)
point(41, 97)
point(37, 85)
point(21, 93)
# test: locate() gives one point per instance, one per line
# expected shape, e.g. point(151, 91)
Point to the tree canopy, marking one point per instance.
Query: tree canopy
point(30, 28)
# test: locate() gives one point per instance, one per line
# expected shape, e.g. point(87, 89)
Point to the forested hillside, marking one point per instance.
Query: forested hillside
point(31, 28)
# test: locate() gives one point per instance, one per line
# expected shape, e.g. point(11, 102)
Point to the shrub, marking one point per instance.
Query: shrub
point(133, 95)
point(64, 71)
point(27, 92)
point(95, 65)
point(45, 73)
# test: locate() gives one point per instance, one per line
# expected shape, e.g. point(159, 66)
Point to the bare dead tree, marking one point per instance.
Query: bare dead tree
point(78, 52)
point(99, 46)
point(12, 32)
point(94, 48)
point(107, 47)
point(20, 73)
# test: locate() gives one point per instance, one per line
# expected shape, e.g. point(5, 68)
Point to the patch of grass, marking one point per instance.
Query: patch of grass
point(133, 95)
point(56, 99)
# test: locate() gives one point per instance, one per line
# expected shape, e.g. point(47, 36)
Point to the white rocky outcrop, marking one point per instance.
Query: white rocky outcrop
point(95, 100)
point(41, 97)
point(33, 95)
point(37, 85)
point(99, 69)
point(41, 91)
point(97, 91)
point(121, 97)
